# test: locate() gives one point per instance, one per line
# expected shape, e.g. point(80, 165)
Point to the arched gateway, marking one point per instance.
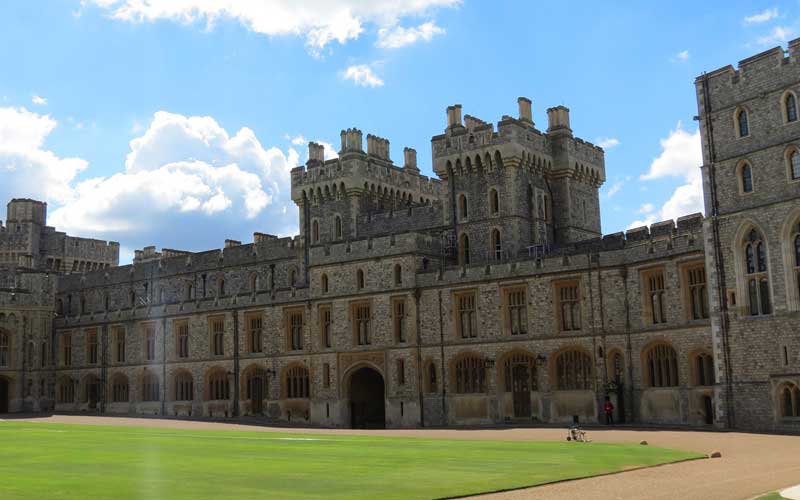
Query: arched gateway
point(367, 399)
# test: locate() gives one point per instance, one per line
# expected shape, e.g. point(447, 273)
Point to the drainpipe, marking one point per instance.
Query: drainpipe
point(730, 420)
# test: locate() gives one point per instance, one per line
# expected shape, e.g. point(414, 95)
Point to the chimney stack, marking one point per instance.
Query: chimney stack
point(454, 116)
point(525, 109)
point(316, 152)
point(558, 120)
point(410, 159)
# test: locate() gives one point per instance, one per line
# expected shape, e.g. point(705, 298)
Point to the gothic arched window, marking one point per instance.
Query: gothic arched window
point(790, 107)
point(755, 270)
point(742, 123)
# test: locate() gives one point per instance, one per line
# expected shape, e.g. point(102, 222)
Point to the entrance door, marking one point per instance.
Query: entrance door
point(367, 400)
point(4, 395)
point(521, 389)
point(91, 393)
point(256, 391)
point(709, 407)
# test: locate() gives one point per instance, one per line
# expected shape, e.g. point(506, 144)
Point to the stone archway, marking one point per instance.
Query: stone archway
point(367, 399)
point(5, 393)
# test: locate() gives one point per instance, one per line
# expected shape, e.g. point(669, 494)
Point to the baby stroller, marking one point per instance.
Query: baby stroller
point(575, 433)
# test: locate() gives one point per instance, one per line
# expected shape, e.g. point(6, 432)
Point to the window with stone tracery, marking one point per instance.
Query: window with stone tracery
point(756, 277)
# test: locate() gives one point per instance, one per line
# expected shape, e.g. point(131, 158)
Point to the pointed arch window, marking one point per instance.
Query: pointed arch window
point(794, 164)
point(790, 107)
point(661, 366)
point(324, 285)
point(360, 279)
point(742, 123)
point(315, 231)
point(745, 178)
point(337, 227)
point(463, 210)
point(789, 401)
point(494, 201)
point(574, 371)
point(755, 269)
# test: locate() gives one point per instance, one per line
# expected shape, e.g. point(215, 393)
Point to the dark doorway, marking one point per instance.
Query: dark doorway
point(709, 407)
point(255, 388)
point(4, 395)
point(620, 406)
point(367, 400)
point(92, 391)
point(521, 389)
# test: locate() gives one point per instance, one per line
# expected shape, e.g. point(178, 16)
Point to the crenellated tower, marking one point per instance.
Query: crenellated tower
point(515, 189)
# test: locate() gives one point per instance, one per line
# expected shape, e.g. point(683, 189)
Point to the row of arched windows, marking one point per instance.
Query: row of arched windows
point(217, 388)
point(741, 117)
point(571, 370)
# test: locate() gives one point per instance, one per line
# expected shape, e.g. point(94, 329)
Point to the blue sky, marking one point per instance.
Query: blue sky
point(176, 123)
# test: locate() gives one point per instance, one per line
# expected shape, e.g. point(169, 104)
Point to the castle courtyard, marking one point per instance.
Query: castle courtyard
point(750, 465)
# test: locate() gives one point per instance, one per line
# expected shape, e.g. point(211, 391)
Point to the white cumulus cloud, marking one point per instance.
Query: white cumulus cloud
point(27, 169)
point(320, 22)
point(39, 100)
point(682, 56)
point(778, 35)
point(396, 36)
point(762, 17)
point(362, 75)
point(681, 156)
point(607, 142)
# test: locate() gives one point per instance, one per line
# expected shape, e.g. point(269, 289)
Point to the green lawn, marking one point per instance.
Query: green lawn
point(51, 461)
point(772, 496)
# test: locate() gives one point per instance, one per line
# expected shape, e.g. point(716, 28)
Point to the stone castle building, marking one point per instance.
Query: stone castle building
point(484, 296)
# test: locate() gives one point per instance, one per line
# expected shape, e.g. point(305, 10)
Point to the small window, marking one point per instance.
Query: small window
point(218, 386)
point(742, 124)
point(315, 231)
point(790, 107)
point(431, 376)
point(496, 246)
point(398, 274)
point(324, 283)
point(463, 211)
point(337, 227)
point(494, 202)
point(5, 349)
point(697, 293)
point(794, 164)
point(745, 178)
point(789, 405)
point(326, 375)
point(360, 279)
point(91, 347)
point(119, 341)
point(399, 319)
point(184, 387)
point(703, 369)
point(463, 250)
point(401, 372)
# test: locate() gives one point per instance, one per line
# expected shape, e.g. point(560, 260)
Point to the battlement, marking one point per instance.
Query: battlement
point(374, 247)
point(414, 218)
point(729, 84)
point(152, 264)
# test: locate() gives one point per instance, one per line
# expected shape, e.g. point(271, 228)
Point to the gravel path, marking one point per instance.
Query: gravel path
point(751, 464)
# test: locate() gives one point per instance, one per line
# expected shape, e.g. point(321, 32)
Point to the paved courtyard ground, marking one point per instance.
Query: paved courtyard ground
point(751, 464)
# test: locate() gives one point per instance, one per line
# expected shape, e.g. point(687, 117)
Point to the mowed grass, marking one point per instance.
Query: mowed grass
point(59, 461)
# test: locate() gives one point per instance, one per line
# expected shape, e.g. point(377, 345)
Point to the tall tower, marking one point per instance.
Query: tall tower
point(751, 181)
point(517, 188)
